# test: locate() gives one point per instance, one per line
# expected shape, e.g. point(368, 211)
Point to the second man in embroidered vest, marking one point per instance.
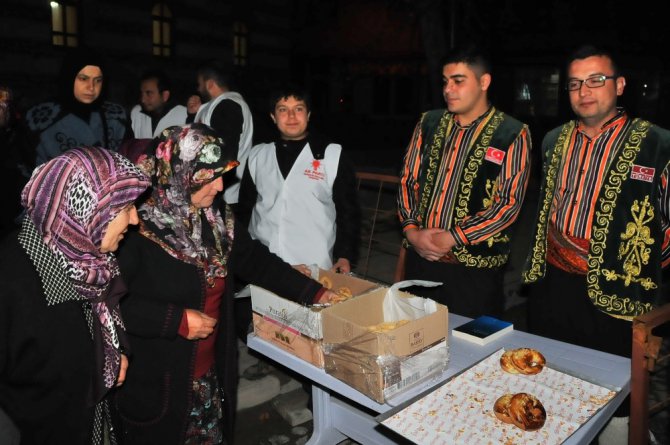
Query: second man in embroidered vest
point(602, 236)
point(463, 181)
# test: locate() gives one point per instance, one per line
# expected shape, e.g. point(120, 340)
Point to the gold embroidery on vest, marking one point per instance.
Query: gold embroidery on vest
point(479, 260)
point(633, 248)
point(539, 253)
point(491, 188)
point(620, 307)
point(443, 127)
point(466, 185)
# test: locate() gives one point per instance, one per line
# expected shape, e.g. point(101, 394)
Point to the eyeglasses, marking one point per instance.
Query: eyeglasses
point(591, 82)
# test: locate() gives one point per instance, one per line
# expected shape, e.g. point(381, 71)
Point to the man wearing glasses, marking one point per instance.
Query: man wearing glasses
point(602, 242)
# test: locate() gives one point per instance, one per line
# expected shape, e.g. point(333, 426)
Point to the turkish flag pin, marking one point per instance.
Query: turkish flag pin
point(495, 155)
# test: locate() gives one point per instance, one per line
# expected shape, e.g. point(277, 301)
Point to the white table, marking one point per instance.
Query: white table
point(342, 412)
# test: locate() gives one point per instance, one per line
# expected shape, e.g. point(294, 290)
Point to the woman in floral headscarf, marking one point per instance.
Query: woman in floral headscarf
point(61, 336)
point(179, 307)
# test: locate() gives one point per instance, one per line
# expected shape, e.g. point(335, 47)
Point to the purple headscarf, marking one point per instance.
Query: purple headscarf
point(71, 200)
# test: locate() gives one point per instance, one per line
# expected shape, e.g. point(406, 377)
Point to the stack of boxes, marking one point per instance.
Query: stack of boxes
point(353, 341)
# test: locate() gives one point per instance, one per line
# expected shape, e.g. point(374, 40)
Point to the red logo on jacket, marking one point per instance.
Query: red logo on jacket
point(314, 172)
point(642, 173)
point(495, 155)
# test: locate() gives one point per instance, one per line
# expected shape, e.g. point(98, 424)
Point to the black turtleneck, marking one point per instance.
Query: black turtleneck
point(287, 153)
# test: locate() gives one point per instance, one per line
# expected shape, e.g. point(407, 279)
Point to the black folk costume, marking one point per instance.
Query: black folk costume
point(602, 239)
point(470, 181)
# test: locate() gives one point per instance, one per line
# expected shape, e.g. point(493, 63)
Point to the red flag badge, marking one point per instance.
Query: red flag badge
point(642, 173)
point(495, 155)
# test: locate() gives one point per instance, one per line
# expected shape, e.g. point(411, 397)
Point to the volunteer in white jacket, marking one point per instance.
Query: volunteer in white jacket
point(228, 113)
point(156, 111)
point(298, 194)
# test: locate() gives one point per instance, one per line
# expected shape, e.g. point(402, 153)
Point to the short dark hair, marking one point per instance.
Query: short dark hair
point(589, 50)
point(472, 55)
point(214, 71)
point(287, 91)
point(162, 80)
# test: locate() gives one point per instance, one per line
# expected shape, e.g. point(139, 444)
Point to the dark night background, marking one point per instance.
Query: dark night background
point(371, 65)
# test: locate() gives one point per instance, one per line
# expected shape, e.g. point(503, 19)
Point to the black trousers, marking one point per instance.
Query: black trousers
point(559, 308)
point(467, 291)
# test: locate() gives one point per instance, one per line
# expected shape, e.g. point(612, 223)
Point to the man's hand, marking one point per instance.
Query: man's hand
point(193, 104)
point(122, 370)
point(423, 242)
point(445, 240)
point(200, 325)
point(342, 266)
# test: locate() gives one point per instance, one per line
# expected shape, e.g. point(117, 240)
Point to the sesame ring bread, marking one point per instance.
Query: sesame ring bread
point(527, 412)
point(326, 282)
point(525, 361)
point(506, 362)
point(501, 408)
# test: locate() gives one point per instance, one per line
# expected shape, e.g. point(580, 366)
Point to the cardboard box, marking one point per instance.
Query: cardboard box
point(381, 364)
point(288, 339)
point(305, 320)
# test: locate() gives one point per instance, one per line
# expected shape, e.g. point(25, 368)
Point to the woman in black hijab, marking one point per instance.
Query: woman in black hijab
point(79, 115)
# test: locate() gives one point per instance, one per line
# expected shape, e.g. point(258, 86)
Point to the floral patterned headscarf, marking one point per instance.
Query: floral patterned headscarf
point(182, 160)
point(70, 202)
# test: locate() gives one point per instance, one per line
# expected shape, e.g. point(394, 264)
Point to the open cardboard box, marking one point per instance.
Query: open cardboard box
point(381, 364)
point(304, 319)
point(288, 339)
point(294, 327)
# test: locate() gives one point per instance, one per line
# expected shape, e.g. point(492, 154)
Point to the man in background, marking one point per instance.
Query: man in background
point(156, 110)
point(228, 113)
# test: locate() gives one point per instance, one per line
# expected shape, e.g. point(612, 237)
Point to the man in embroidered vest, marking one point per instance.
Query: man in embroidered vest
point(156, 111)
point(463, 181)
point(601, 243)
point(227, 112)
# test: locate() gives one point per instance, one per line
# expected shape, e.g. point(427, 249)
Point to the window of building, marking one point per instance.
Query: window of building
point(240, 44)
point(536, 91)
point(64, 27)
point(162, 30)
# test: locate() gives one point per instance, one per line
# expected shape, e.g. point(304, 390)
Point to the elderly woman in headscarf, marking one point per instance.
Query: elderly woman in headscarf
point(181, 385)
point(78, 115)
point(61, 334)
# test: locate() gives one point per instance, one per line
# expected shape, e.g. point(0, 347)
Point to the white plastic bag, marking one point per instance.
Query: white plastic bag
point(397, 307)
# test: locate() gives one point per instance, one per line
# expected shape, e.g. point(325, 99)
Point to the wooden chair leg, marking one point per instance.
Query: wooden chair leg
point(638, 433)
point(645, 356)
point(399, 274)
